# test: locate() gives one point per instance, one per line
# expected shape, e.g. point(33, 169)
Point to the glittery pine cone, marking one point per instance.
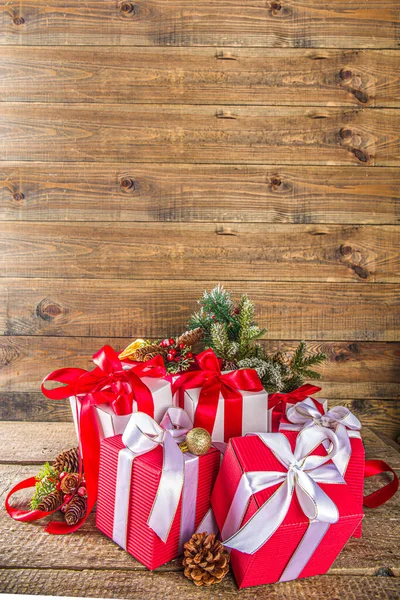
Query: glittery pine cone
point(51, 501)
point(190, 338)
point(76, 510)
point(69, 483)
point(205, 561)
point(67, 461)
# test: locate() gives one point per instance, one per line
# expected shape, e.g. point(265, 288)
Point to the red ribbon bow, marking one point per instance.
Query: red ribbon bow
point(213, 383)
point(107, 382)
point(279, 401)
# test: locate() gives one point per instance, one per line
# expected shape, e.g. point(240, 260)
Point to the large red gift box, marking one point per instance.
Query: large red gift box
point(350, 461)
point(141, 541)
point(268, 563)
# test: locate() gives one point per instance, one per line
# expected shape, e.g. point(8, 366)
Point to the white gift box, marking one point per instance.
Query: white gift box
point(111, 424)
point(254, 412)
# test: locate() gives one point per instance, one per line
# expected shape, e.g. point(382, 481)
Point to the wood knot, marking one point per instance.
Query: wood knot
point(276, 6)
point(48, 310)
point(127, 184)
point(275, 181)
point(361, 96)
point(127, 9)
point(18, 20)
point(346, 134)
point(18, 196)
point(360, 155)
point(360, 271)
point(345, 74)
point(346, 250)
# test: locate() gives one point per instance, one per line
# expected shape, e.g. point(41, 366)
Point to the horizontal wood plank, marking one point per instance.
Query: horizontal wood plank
point(200, 75)
point(121, 308)
point(293, 23)
point(352, 370)
point(152, 586)
point(145, 192)
point(205, 251)
point(382, 414)
point(199, 134)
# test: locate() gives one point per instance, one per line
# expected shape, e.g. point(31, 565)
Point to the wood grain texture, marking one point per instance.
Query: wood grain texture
point(199, 134)
point(122, 308)
point(150, 586)
point(200, 76)
point(211, 193)
point(201, 251)
point(293, 23)
point(353, 370)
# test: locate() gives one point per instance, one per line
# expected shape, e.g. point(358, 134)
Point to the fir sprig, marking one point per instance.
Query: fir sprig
point(46, 481)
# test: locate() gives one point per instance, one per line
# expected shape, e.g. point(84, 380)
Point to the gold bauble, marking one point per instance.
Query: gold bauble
point(198, 441)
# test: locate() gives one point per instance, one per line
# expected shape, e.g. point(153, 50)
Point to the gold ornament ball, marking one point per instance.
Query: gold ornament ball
point(198, 441)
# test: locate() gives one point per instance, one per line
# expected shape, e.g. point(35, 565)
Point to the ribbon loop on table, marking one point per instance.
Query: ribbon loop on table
point(305, 414)
point(213, 383)
point(303, 472)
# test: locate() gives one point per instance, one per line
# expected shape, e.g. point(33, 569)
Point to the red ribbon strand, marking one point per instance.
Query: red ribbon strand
point(379, 497)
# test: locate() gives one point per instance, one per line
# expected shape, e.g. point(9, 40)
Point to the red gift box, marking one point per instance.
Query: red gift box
point(279, 403)
point(140, 540)
point(351, 458)
point(249, 457)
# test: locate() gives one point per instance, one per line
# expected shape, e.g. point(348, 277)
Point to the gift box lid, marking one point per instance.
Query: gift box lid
point(247, 454)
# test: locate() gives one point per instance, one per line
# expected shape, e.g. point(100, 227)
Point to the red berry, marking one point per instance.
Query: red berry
point(182, 346)
point(58, 486)
point(82, 491)
point(64, 508)
point(170, 356)
point(67, 498)
point(213, 317)
point(62, 475)
point(189, 355)
point(236, 311)
point(171, 341)
point(173, 352)
point(178, 358)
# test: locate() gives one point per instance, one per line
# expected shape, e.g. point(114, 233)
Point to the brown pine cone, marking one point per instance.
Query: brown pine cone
point(76, 510)
point(206, 561)
point(190, 338)
point(69, 483)
point(229, 365)
point(145, 352)
point(67, 461)
point(51, 501)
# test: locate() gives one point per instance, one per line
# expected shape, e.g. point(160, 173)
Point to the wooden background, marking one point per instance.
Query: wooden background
point(151, 149)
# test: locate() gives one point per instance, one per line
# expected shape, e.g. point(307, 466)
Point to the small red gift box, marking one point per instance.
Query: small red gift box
point(259, 505)
point(350, 459)
point(279, 403)
point(129, 488)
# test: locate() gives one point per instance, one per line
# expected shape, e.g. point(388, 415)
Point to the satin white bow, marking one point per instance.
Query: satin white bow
point(303, 472)
point(143, 434)
point(339, 419)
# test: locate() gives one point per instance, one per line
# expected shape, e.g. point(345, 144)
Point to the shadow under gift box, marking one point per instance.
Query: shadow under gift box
point(266, 565)
point(142, 543)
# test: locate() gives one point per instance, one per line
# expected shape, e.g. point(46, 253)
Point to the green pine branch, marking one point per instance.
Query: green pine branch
point(46, 481)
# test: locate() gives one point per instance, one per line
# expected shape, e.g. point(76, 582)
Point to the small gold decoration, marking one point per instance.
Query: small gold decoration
point(131, 349)
point(198, 442)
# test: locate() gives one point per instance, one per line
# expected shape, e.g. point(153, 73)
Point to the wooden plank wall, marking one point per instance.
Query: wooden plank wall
point(149, 149)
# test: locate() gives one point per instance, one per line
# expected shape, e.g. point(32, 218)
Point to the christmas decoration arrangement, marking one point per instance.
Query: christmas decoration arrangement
point(198, 444)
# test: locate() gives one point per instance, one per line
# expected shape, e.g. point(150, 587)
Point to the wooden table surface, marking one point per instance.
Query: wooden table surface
point(89, 564)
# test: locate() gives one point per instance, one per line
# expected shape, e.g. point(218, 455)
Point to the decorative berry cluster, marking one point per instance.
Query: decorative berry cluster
point(70, 484)
point(177, 352)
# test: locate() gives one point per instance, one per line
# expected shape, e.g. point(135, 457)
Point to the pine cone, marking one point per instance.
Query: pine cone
point(69, 483)
point(146, 352)
point(190, 338)
point(67, 461)
point(51, 501)
point(229, 365)
point(206, 561)
point(76, 510)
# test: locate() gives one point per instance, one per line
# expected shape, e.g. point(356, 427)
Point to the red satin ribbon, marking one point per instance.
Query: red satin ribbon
point(379, 497)
point(108, 382)
point(213, 383)
point(279, 401)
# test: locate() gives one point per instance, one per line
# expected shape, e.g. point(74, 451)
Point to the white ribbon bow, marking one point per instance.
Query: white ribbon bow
point(143, 434)
point(303, 472)
point(346, 425)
